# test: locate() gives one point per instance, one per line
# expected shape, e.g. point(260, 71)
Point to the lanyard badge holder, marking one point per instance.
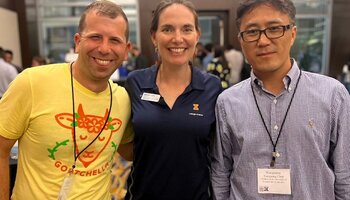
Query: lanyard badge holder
point(69, 178)
point(274, 179)
point(66, 185)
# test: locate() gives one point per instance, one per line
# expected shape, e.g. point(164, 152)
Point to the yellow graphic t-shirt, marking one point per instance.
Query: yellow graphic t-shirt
point(39, 107)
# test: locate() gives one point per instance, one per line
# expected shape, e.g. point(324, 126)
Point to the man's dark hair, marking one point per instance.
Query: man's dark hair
point(219, 51)
point(8, 51)
point(104, 8)
point(229, 47)
point(284, 6)
point(1, 52)
point(209, 47)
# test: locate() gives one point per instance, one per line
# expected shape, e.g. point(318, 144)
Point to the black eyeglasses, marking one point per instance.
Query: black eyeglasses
point(272, 32)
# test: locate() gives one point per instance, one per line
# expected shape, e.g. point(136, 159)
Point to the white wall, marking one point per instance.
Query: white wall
point(9, 34)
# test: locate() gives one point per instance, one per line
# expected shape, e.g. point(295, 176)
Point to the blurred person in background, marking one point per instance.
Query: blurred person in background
point(200, 53)
point(235, 61)
point(8, 57)
point(209, 54)
point(219, 66)
point(71, 55)
point(7, 73)
point(38, 61)
point(140, 61)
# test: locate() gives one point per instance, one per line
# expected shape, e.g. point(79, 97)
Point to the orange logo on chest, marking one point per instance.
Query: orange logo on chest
point(195, 106)
point(87, 128)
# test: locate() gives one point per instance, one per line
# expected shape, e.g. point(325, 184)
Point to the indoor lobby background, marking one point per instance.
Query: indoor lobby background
point(46, 27)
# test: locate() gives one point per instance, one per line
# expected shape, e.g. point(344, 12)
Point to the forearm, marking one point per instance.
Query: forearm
point(4, 178)
point(340, 156)
point(5, 148)
point(221, 184)
point(342, 174)
point(221, 153)
point(221, 168)
point(126, 151)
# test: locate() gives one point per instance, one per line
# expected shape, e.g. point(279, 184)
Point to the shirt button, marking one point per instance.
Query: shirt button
point(275, 127)
point(275, 101)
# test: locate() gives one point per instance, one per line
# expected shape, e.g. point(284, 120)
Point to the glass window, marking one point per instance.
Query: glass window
point(209, 32)
point(58, 39)
point(311, 6)
point(311, 48)
point(211, 28)
point(308, 49)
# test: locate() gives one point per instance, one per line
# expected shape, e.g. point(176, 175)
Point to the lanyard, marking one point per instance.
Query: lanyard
point(74, 123)
point(275, 154)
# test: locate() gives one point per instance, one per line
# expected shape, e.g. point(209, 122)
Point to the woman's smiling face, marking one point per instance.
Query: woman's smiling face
point(176, 35)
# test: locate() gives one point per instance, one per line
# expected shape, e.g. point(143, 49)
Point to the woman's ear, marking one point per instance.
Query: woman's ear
point(154, 40)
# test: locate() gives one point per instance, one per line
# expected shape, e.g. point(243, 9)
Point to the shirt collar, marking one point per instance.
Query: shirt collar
point(292, 76)
point(289, 80)
point(197, 80)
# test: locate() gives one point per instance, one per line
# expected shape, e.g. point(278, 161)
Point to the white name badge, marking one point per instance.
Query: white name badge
point(274, 181)
point(66, 187)
point(150, 97)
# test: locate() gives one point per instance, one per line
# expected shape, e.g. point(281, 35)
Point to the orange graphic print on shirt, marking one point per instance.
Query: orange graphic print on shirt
point(92, 125)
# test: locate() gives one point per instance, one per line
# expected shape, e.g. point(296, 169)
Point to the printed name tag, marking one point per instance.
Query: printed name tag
point(150, 97)
point(274, 181)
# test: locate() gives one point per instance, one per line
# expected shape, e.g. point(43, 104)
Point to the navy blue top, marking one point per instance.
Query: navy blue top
point(171, 145)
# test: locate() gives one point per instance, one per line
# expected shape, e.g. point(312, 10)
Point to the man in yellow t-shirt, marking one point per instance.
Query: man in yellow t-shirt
point(69, 119)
